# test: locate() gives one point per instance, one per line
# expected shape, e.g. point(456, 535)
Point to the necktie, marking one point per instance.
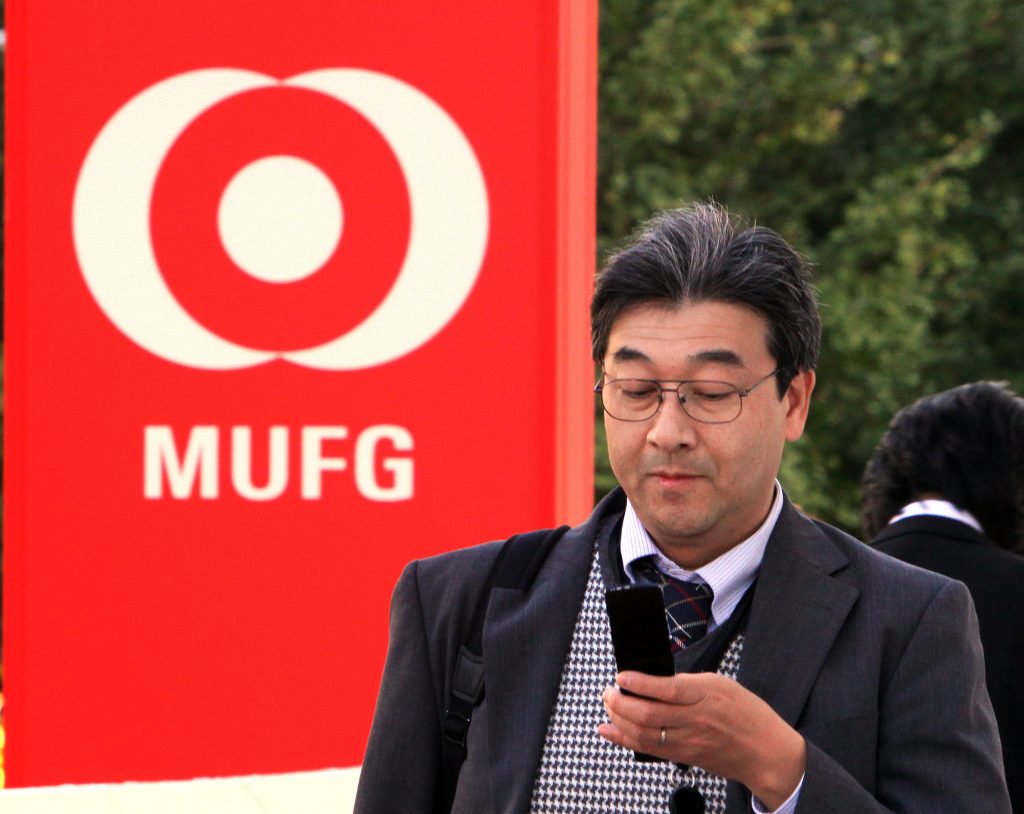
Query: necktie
point(687, 604)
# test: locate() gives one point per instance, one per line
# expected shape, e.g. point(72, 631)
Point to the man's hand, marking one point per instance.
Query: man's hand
point(708, 721)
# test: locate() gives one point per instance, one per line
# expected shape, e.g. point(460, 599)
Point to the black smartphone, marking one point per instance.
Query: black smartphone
point(636, 615)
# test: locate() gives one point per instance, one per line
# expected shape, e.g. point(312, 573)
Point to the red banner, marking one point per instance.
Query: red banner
point(294, 295)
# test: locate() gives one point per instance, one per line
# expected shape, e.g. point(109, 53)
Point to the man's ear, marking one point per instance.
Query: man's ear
point(798, 403)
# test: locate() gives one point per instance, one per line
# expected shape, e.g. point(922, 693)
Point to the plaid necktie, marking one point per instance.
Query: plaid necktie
point(687, 604)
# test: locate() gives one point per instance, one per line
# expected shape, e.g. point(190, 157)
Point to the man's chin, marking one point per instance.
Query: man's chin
point(681, 538)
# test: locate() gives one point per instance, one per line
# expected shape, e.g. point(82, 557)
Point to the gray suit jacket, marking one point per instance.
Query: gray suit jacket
point(877, 663)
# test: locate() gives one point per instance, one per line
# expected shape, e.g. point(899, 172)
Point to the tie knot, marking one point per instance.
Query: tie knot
point(687, 604)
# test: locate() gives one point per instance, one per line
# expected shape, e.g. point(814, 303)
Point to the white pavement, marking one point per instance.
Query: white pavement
point(328, 791)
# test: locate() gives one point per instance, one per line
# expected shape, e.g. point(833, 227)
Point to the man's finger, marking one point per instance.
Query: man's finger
point(630, 736)
point(682, 689)
point(644, 712)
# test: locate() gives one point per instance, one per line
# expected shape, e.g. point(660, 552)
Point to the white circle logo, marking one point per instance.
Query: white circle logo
point(280, 218)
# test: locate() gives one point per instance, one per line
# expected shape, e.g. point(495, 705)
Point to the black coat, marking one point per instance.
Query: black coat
point(995, 578)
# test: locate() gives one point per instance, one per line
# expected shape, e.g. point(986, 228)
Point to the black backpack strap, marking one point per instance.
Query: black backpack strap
point(516, 566)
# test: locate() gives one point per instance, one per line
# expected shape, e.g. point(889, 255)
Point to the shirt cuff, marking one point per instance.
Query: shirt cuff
point(787, 807)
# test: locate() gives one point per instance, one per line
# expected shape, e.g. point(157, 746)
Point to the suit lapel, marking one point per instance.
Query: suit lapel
point(526, 639)
point(799, 608)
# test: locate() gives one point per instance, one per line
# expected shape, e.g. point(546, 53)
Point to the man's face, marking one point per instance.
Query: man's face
point(700, 489)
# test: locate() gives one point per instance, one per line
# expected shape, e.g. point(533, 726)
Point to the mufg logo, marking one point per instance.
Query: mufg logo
point(280, 219)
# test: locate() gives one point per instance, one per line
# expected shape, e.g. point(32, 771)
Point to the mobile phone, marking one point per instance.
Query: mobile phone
point(636, 615)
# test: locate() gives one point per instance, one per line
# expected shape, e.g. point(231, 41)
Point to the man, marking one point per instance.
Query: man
point(944, 490)
point(848, 682)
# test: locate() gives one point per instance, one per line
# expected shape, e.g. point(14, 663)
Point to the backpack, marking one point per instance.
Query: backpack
point(516, 566)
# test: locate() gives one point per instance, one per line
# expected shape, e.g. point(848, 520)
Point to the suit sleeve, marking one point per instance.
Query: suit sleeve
point(401, 764)
point(938, 747)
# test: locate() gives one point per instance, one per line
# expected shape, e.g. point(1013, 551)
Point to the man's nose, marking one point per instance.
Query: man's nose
point(671, 427)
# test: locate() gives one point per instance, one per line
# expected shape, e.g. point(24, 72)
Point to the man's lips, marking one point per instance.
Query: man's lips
point(671, 477)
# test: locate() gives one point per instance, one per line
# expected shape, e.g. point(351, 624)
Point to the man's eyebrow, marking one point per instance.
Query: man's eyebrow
point(628, 354)
point(719, 356)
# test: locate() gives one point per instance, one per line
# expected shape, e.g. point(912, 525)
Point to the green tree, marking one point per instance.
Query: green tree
point(883, 139)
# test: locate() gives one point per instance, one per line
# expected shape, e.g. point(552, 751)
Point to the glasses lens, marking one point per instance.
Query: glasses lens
point(713, 402)
point(630, 399)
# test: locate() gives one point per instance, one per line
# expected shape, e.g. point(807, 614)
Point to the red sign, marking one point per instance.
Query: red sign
point(295, 295)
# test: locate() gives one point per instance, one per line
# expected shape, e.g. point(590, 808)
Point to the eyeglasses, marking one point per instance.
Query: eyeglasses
point(704, 401)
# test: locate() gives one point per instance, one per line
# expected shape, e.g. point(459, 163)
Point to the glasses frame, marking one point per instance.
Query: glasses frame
point(743, 393)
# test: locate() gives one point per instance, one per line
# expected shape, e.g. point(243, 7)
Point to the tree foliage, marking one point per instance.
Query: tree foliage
point(883, 138)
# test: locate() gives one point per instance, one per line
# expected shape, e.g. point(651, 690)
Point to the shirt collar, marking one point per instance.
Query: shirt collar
point(729, 575)
point(938, 508)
